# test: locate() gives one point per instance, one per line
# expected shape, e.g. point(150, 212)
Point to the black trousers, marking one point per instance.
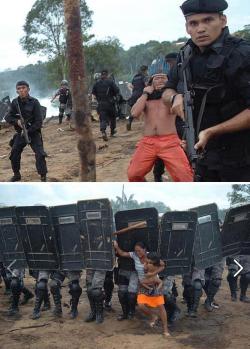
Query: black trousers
point(107, 118)
point(36, 145)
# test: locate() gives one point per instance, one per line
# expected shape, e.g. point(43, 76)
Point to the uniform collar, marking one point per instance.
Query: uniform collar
point(216, 46)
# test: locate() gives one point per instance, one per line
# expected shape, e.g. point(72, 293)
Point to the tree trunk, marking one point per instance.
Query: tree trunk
point(86, 144)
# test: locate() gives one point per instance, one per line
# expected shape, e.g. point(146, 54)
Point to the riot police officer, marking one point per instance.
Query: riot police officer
point(138, 83)
point(31, 113)
point(65, 100)
point(217, 66)
point(104, 90)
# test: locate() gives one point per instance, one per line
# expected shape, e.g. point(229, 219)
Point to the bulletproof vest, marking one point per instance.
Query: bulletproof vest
point(105, 91)
point(64, 95)
point(215, 102)
point(138, 83)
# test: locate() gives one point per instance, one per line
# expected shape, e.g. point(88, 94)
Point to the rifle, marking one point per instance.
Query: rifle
point(24, 129)
point(188, 110)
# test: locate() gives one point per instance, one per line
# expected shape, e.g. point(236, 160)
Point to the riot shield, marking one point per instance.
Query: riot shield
point(96, 226)
point(208, 247)
point(67, 229)
point(149, 234)
point(4, 106)
point(177, 241)
point(38, 237)
point(12, 248)
point(236, 231)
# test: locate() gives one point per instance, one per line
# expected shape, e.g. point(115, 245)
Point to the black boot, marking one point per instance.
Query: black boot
point(46, 301)
point(75, 292)
point(99, 311)
point(132, 299)
point(58, 305)
point(92, 315)
point(43, 178)
point(16, 177)
point(104, 136)
point(27, 296)
point(38, 302)
point(123, 298)
point(14, 309)
point(244, 298)
point(234, 296)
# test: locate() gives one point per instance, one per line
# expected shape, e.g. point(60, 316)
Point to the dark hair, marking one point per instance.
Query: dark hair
point(22, 83)
point(105, 72)
point(171, 55)
point(155, 258)
point(143, 68)
point(141, 245)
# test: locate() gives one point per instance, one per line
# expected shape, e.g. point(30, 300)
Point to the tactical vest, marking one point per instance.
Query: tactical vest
point(215, 102)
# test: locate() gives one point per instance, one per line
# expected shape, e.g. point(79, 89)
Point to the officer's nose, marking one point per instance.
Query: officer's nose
point(201, 28)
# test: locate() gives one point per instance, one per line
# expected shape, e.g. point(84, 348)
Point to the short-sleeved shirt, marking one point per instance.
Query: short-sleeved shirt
point(139, 267)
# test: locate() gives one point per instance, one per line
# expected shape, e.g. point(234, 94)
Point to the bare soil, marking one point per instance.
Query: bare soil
point(60, 143)
point(227, 327)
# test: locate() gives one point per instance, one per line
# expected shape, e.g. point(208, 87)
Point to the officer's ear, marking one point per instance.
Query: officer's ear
point(223, 19)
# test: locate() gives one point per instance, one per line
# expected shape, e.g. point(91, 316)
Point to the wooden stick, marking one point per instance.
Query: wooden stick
point(132, 227)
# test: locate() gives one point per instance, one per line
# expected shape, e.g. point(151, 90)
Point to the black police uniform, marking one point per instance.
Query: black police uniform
point(139, 83)
point(219, 77)
point(31, 112)
point(105, 90)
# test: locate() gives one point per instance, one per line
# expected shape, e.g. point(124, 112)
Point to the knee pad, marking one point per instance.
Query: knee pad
point(197, 285)
point(41, 285)
point(54, 286)
point(216, 283)
point(97, 294)
point(16, 286)
point(75, 289)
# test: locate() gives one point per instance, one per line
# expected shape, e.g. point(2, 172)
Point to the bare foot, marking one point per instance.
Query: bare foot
point(166, 334)
point(153, 322)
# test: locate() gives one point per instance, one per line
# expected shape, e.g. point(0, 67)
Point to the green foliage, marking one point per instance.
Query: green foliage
point(245, 33)
point(129, 203)
point(240, 193)
point(103, 54)
point(45, 30)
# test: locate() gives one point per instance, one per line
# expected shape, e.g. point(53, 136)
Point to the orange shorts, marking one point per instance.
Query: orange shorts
point(151, 301)
point(166, 148)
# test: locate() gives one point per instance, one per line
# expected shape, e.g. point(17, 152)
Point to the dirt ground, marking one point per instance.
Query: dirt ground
point(227, 327)
point(60, 143)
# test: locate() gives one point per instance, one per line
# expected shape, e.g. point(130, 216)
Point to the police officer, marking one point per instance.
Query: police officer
point(245, 278)
point(218, 70)
point(75, 290)
point(104, 90)
point(31, 112)
point(17, 287)
point(95, 280)
point(213, 278)
point(65, 100)
point(41, 292)
point(231, 278)
point(193, 283)
point(138, 83)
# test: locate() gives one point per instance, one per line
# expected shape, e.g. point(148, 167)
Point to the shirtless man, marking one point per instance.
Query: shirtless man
point(160, 137)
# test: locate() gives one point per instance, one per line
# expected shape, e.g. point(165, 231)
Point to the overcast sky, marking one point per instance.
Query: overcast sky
point(133, 22)
point(178, 196)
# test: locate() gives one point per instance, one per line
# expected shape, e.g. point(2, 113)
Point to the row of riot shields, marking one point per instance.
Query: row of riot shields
point(69, 237)
point(186, 239)
point(78, 236)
